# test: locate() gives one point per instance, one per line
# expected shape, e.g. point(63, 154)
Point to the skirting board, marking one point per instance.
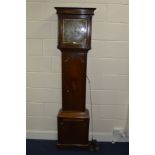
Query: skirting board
point(52, 135)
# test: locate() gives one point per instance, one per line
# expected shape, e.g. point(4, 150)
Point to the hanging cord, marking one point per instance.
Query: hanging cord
point(93, 144)
point(91, 107)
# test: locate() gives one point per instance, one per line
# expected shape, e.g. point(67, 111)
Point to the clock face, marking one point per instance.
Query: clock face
point(74, 31)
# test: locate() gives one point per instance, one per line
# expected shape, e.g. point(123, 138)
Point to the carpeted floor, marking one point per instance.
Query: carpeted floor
point(48, 147)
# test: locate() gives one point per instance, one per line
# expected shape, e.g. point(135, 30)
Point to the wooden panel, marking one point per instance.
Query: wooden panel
point(73, 80)
point(73, 130)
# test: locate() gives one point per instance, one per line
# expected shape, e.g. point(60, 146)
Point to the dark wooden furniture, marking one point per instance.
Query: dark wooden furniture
point(74, 41)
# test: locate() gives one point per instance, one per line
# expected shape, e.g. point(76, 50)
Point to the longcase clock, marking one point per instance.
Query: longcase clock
point(74, 42)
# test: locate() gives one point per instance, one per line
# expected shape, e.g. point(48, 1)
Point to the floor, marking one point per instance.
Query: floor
point(48, 147)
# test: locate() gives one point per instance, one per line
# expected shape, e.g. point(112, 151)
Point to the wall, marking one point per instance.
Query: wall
point(107, 66)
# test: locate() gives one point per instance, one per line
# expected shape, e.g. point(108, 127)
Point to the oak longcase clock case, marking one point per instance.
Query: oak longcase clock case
point(74, 41)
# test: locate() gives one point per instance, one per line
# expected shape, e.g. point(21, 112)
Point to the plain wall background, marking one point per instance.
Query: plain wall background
point(107, 66)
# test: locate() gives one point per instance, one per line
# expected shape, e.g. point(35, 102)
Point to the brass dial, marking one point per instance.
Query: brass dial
point(74, 31)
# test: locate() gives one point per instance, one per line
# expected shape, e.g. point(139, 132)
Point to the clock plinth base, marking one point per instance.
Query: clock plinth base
point(73, 129)
point(63, 146)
